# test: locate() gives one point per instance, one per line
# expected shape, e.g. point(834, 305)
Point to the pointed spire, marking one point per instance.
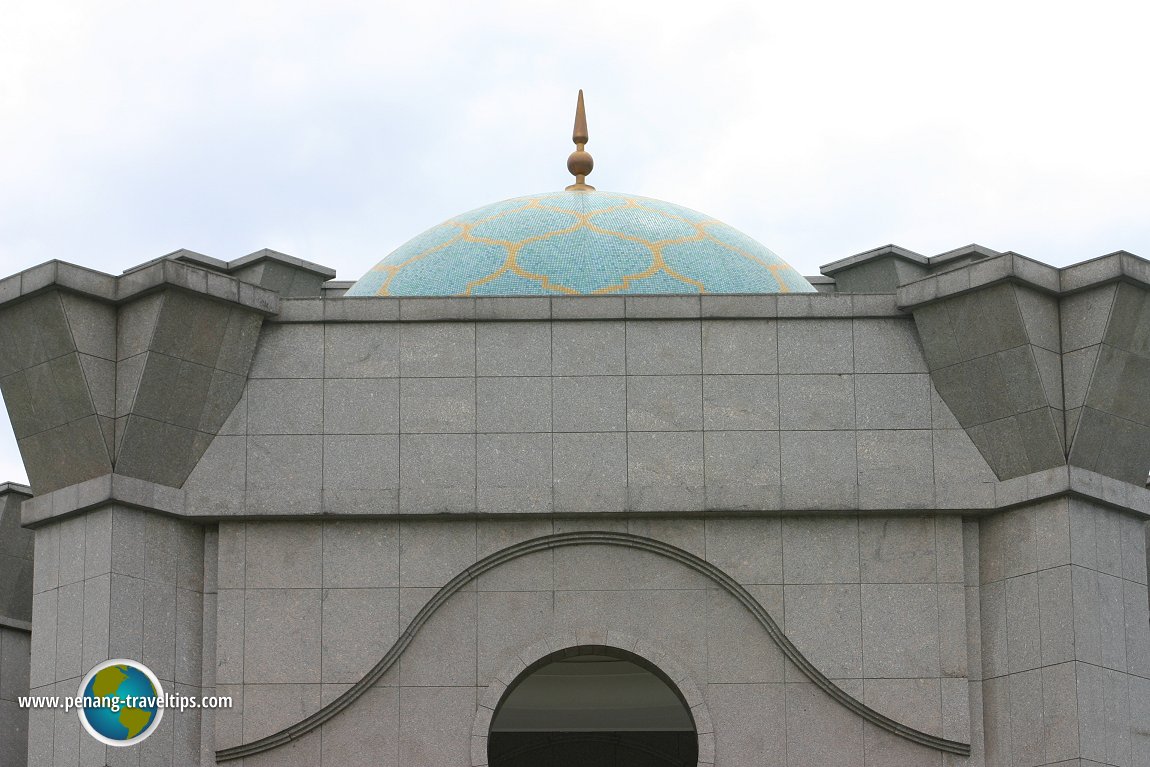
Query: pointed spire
point(580, 163)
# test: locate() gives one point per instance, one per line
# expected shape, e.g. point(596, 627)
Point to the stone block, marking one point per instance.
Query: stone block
point(434, 552)
point(900, 630)
point(359, 626)
point(361, 406)
point(887, 346)
point(589, 403)
point(676, 616)
point(590, 472)
point(366, 734)
point(1026, 725)
point(285, 473)
point(289, 351)
point(437, 473)
point(282, 636)
point(361, 474)
point(913, 702)
point(657, 307)
point(738, 648)
point(749, 550)
point(811, 714)
point(444, 651)
point(736, 402)
point(1129, 323)
point(1023, 640)
point(286, 406)
point(71, 537)
point(1059, 712)
point(587, 307)
point(513, 348)
point(895, 401)
point(269, 708)
point(230, 636)
point(1087, 618)
point(435, 725)
point(664, 403)
point(442, 349)
point(283, 554)
point(437, 405)
point(1137, 618)
point(360, 554)
point(1056, 615)
point(509, 621)
point(126, 607)
point(588, 348)
point(189, 637)
point(513, 308)
point(832, 338)
point(15, 663)
point(69, 631)
point(664, 347)
point(820, 549)
point(953, 635)
point(897, 549)
point(895, 469)
point(525, 573)
point(603, 568)
point(750, 723)
point(742, 470)
point(819, 469)
point(1084, 316)
point(513, 404)
point(825, 624)
point(514, 473)
point(36, 330)
point(665, 471)
point(740, 347)
point(361, 350)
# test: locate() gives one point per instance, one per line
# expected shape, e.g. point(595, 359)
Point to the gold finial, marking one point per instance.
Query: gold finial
point(579, 163)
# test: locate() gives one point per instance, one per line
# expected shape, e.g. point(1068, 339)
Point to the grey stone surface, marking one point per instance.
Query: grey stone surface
point(895, 469)
point(825, 623)
point(742, 470)
point(900, 630)
point(733, 402)
point(797, 338)
point(437, 349)
point(358, 624)
point(361, 350)
point(513, 404)
point(589, 403)
point(664, 403)
point(896, 401)
point(815, 402)
point(437, 473)
point(664, 347)
point(588, 348)
point(513, 348)
point(514, 473)
point(819, 470)
point(437, 405)
point(360, 406)
point(282, 636)
point(740, 347)
point(286, 406)
point(590, 472)
point(665, 471)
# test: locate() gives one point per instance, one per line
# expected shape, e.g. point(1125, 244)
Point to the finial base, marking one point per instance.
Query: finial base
point(580, 187)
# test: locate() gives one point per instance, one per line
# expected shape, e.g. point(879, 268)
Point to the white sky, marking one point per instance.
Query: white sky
point(335, 131)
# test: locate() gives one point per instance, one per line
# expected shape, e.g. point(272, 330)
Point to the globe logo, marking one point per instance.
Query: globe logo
point(121, 702)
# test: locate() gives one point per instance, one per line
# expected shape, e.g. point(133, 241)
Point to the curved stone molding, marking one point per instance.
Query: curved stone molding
point(584, 641)
point(591, 538)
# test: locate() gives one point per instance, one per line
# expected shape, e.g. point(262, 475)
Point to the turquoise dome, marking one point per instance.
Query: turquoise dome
point(580, 243)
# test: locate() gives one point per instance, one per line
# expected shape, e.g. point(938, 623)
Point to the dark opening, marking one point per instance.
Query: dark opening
point(593, 710)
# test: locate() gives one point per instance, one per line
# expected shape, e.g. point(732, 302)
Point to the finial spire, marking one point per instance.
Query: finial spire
point(580, 163)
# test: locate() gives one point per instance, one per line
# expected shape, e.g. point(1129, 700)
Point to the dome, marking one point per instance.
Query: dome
point(580, 243)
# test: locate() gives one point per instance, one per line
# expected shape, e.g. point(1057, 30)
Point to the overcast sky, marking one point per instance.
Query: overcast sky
point(335, 131)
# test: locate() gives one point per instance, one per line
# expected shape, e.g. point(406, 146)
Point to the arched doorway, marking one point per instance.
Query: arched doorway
point(599, 708)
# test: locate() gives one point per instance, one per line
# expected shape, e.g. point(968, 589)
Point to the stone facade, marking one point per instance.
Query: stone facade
point(904, 526)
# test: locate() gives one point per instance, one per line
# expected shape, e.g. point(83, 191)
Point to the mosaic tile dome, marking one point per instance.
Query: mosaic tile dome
point(580, 243)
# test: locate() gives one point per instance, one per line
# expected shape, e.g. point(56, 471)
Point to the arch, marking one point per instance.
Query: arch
point(592, 538)
point(606, 641)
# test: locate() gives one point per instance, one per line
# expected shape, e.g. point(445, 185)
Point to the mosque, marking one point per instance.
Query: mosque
point(584, 478)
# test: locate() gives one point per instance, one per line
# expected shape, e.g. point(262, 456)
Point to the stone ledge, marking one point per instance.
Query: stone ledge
point(14, 488)
point(1011, 267)
point(545, 308)
point(12, 623)
point(873, 254)
point(138, 493)
point(148, 278)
